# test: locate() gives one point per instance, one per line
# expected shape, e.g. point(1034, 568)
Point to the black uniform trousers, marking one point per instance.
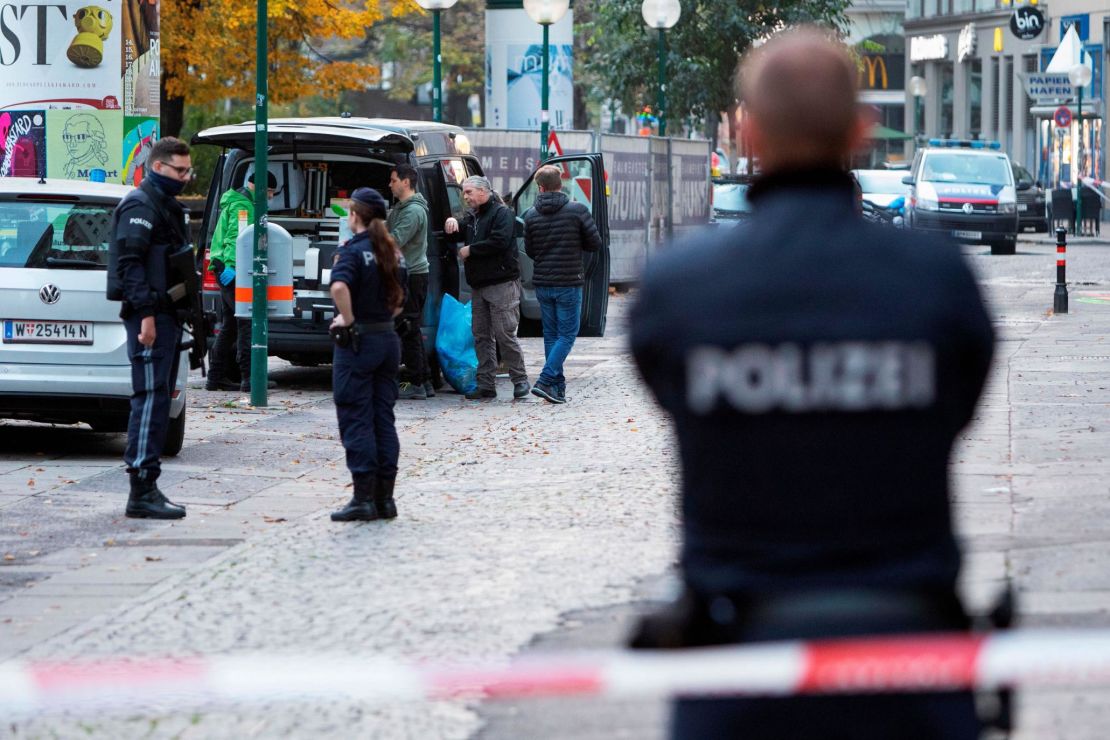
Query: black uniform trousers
point(233, 343)
point(412, 340)
point(364, 385)
point(153, 372)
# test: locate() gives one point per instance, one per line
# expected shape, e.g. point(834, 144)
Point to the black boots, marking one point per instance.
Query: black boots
point(383, 498)
point(361, 507)
point(147, 502)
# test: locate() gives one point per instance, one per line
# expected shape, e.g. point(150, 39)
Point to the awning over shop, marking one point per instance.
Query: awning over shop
point(883, 133)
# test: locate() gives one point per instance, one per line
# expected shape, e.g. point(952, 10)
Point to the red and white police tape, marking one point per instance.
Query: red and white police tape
point(1019, 658)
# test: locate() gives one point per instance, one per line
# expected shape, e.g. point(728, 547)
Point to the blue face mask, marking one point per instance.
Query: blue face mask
point(167, 185)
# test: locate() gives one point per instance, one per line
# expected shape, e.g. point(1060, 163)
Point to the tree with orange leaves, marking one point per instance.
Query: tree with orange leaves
point(208, 49)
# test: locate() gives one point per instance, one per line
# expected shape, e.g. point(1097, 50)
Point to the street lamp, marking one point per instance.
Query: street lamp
point(661, 15)
point(1080, 77)
point(436, 6)
point(917, 90)
point(546, 13)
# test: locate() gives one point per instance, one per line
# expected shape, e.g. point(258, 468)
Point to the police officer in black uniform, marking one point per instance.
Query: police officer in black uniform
point(148, 227)
point(818, 370)
point(367, 285)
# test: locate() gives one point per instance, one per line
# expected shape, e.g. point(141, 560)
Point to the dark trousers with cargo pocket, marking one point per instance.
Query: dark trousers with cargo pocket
point(412, 339)
point(494, 318)
point(233, 343)
point(364, 385)
point(153, 373)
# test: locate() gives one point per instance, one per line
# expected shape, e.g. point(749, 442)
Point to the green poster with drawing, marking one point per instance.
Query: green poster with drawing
point(84, 144)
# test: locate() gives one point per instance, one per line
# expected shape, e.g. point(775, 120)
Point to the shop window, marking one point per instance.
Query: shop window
point(994, 91)
point(975, 97)
point(1009, 113)
point(947, 91)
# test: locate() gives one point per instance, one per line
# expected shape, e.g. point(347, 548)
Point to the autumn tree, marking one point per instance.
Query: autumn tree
point(208, 49)
point(703, 49)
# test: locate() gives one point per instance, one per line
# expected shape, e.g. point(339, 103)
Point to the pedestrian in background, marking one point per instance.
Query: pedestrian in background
point(493, 273)
point(234, 340)
point(368, 286)
point(408, 225)
point(818, 370)
point(557, 234)
point(149, 226)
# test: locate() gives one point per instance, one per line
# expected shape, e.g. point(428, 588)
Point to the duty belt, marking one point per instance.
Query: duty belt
point(376, 327)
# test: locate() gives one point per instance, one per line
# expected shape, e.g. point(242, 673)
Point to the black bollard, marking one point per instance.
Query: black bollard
point(1060, 297)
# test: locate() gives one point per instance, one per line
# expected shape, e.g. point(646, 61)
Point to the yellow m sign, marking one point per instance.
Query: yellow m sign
point(875, 66)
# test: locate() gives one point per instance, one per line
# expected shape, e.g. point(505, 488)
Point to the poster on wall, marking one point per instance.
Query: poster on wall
point(140, 64)
point(139, 135)
point(60, 55)
point(524, 86)
point(514, 69)
point(22, 143)
point(84, 144)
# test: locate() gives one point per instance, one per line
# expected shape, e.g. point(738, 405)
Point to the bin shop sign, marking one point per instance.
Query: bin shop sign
point(1027, 22)
point(77, 81)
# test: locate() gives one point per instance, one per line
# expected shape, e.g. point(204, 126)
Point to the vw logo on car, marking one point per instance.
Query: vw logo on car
point(49, 294)
point(968, 208)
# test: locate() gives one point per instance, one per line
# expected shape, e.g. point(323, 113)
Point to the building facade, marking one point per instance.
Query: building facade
point(982, 62)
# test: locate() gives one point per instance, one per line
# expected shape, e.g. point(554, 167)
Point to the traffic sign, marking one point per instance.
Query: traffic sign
point(1062, 116)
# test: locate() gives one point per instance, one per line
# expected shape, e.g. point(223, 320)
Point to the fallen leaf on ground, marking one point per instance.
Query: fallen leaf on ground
point(9, 557)
point(273, 520)
point(153, 559)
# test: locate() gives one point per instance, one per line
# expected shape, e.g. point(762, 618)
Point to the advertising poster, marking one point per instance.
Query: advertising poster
point(513, 70)
point(60, 55)
point(139, 135)
point(22, 143)
point(524, 86)
point(84, 144)
point(140, 64)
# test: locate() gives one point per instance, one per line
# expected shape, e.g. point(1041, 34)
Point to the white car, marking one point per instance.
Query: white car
point(63, 349)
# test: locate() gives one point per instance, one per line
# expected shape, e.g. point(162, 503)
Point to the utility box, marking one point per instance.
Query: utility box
point(279, 270)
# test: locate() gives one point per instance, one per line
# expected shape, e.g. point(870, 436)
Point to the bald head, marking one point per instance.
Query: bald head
point(799, 92)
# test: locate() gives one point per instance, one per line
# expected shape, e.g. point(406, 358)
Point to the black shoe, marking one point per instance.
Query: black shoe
point(361, 506)
point(412, 392)
point(520, 390)
point(479, 394)
point(245, 386)
point(220, 385)
point(547, 393)
point(429, 389)
point(147, 502)
point(383, 498)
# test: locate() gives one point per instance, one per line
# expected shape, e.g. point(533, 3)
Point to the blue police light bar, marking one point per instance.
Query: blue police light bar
point(965, 143)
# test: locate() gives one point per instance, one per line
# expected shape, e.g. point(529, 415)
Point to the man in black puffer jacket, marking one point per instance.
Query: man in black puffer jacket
point(556, 233)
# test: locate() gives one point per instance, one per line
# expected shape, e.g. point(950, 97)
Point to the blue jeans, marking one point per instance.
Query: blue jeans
point(561, 314)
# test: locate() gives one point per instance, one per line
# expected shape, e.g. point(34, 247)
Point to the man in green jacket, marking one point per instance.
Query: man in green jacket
point(235, 334)
point(408, 225)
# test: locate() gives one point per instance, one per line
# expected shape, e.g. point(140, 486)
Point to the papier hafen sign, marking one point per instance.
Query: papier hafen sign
point(79, 68)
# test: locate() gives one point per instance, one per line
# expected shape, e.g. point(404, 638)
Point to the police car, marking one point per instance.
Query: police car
point(966, 191)
point(63, 349)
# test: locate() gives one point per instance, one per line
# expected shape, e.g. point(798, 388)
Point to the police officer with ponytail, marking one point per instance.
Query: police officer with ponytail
point(367, 285)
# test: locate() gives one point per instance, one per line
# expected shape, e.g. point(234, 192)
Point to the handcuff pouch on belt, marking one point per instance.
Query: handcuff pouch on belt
point(346, 337)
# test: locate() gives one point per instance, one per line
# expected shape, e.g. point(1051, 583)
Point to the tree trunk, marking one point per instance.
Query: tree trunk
point(173, 113)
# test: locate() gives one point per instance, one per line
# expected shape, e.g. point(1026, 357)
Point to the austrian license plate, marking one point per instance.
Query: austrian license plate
point(1023, 206)
point(18, 331)
point(968, 234)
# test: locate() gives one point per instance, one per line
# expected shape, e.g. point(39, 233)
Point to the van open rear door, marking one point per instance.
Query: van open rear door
point(584, 182)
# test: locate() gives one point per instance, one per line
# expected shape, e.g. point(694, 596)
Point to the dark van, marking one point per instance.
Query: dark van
point(318, 162)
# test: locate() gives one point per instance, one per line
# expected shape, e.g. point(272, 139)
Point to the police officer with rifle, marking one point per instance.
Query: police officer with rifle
point(152, 270)
point(818, 370)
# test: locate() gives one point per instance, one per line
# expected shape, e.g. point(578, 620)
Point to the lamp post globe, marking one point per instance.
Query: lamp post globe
point(437, 7)
point(917, 88)
point(1079, 76)
point(661, 15)
point(546, 13)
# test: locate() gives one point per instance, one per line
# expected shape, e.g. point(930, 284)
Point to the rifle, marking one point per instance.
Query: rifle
point(186, 297)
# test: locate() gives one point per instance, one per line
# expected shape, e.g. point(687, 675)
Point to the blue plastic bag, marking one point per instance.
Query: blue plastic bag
point(455, 345)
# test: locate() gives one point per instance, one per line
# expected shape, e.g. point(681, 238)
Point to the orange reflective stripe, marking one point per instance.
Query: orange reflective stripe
point(244, 295)
point(280, 292)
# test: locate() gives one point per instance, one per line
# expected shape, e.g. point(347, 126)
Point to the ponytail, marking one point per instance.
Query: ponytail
point(388, 258)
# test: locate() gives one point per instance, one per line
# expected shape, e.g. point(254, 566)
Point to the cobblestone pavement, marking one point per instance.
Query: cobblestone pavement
point(523, 527)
